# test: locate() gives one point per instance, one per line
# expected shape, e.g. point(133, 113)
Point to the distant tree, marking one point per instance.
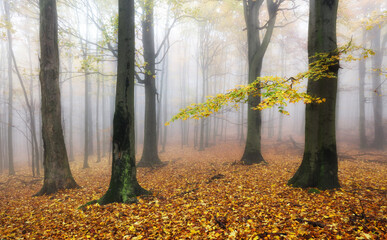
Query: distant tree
point(377, 97)
point(57, 173)
point(11, 168)
point(362, 74)
point(319, 165)
point(123, 183)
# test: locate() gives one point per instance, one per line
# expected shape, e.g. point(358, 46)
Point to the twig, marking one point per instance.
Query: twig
point(314, 224)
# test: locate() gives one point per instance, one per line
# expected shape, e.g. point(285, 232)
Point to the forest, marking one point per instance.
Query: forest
point(193, 119)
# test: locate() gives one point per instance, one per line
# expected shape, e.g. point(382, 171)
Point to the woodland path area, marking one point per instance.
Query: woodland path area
point(205, 195)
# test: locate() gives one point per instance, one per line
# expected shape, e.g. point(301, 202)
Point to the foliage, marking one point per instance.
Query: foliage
point(205, 196)
point(274, 90)
point(4, 26)
point(376, 19)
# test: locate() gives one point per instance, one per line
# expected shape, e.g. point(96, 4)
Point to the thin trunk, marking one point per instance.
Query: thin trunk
point(104, 128)
point(362, 73)
point(377, 97)
point(2, 116)
point(11, 168)
point(150, 155)
point(71, 90)
point(165, 99)
point(256, 51)
point(97, 120)
point(87, 122)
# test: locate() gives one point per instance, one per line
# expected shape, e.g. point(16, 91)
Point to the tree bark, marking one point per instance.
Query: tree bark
point(57, 174)
point(71, 150)
point(11, 168)
point(87, 121)
point(97, 131)
point(256, 51)
point(362, 73)
point(150, 155)
point(319, 165)
point(377, 97)
point(123, 184)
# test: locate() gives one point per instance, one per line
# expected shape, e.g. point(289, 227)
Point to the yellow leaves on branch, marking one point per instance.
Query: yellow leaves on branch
point(274, 90)
point(376, 19)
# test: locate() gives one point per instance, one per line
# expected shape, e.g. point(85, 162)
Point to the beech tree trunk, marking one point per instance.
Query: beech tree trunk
point(11, 169)
point(319, 165)
point(88, 147)
point(362, 74)
point(377, 97)
point(150, 156)
point(70, 66)
point(123, 186)
point(256, 51)
point(57, 174)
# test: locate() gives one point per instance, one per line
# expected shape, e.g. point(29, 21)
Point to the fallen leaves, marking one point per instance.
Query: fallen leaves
point(203, 195)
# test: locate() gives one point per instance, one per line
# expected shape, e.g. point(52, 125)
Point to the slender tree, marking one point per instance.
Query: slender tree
point(256, 51)
point(362, 74)
point(123, 183)
point(377, 97)
point(11, 168)
point(319, 165)
point(57, 173)
point(150, 155)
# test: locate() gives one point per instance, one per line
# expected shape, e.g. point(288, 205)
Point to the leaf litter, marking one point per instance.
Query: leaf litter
point(205, 195)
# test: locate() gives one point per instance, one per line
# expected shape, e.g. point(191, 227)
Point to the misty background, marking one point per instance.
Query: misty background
point(203, 52)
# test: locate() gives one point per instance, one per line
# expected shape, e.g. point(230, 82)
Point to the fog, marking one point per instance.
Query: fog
point(202, 50)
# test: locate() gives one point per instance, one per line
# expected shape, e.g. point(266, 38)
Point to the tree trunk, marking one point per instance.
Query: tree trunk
point(71, 150)
point(104, 128)
point(377, 97)
point(57, 174)
point(34, 141)
point(11, 168)
point(319, 165)
point(3, 142)
point(165, 100)
point(97, 131)
point(362, 73)
point(123, 184)
point(88, 119)
point(150, 155)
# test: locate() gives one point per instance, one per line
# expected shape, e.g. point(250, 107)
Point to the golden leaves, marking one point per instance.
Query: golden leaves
point(274, 91)
point(247, 202)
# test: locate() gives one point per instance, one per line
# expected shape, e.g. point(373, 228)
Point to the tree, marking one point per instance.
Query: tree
point(256, 51)
point(123, 183)
point(57, 173)
point(150, 155)
point(362, 75)
point(377, 98)
point(319, 165)
point(10, 92)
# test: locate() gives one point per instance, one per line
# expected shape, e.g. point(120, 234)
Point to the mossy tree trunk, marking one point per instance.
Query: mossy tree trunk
point(150, 155)
point(256, 51)
point(57, 174)
point(319, 165)
point(123, 186)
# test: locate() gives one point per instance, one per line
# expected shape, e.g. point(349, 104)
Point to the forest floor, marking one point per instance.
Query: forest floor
point(205, 195)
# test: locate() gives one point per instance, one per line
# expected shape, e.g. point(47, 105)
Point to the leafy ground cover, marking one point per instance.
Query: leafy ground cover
point(205, 195)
